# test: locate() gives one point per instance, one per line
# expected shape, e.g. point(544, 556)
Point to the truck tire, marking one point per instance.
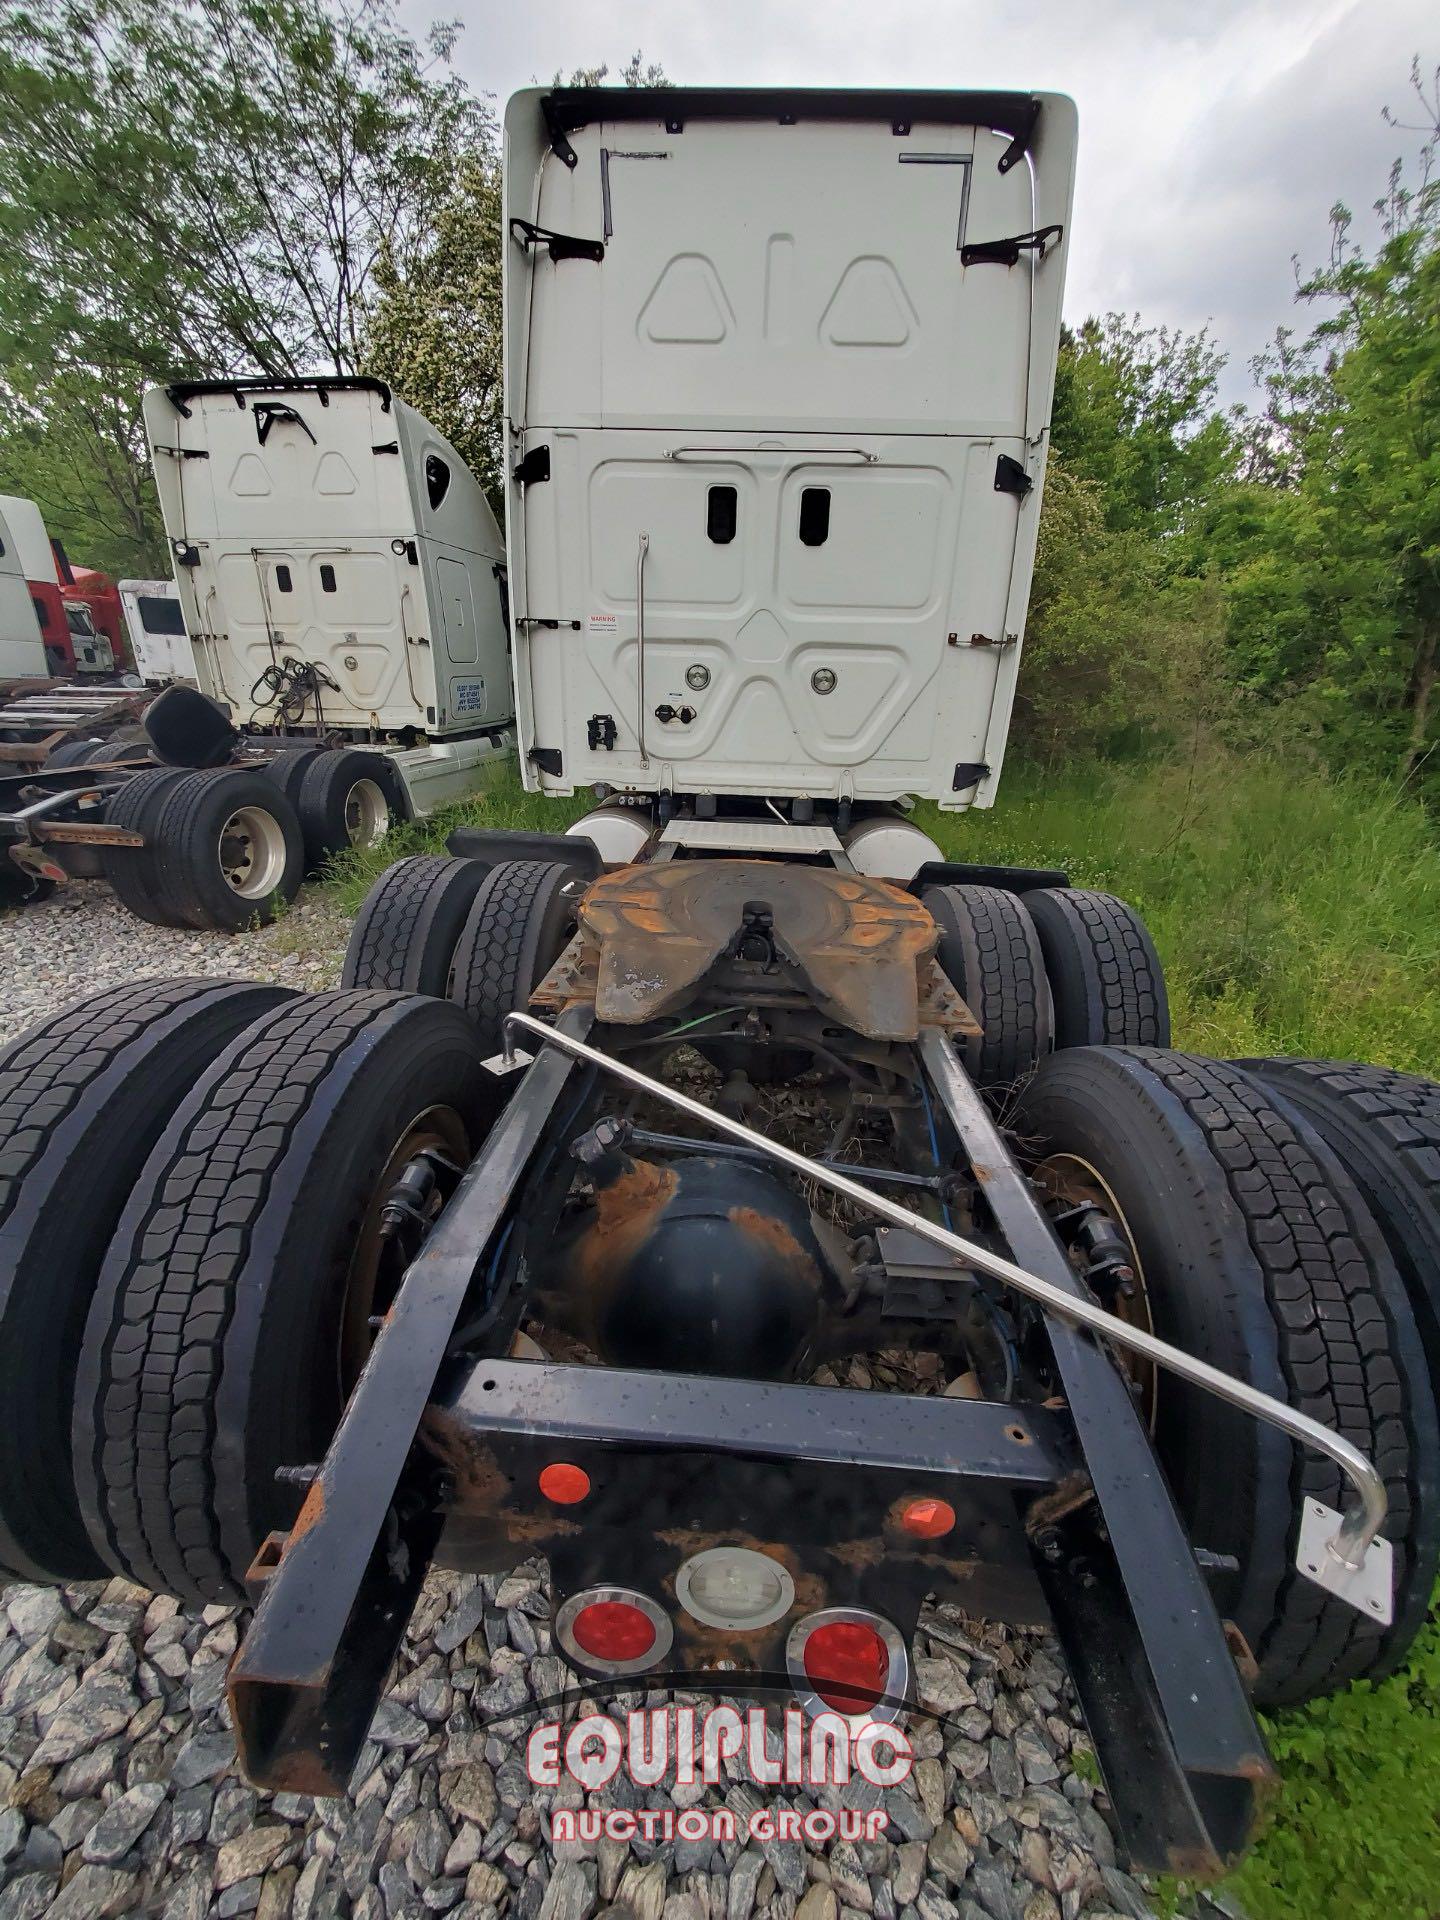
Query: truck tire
point(1254, 1251)
point(990, 953)
point(406, 932)
point(232, 1312)
point(83, 1099)
point(288, 769)
point(228, 849)
point(349, 799)
point(520, 920)
point(1385, 1127)
point(72, 753)
point(1105, 975)
point(133, 872)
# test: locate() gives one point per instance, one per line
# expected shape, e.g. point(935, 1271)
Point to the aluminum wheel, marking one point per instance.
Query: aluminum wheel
point(252, 853)
point(367, 814)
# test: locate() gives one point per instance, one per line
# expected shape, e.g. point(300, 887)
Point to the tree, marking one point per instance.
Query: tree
point(202, 188)
point(435, 331)
point(1135, 414)
point(1339, 595)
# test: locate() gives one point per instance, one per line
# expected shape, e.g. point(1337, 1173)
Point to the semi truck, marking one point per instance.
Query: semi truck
point(508, 1247)
point(22, 647)
point(339, 599)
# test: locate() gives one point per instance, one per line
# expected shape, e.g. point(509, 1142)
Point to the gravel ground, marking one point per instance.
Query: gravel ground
point(118, 1787)
point(82, 939)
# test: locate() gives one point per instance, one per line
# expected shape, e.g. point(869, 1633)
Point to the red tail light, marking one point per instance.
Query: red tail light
point(847, 1664)
point(850, 1662)
point(613, 1629)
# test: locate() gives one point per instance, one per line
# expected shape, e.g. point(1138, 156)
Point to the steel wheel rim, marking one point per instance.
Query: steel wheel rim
point(435, 1128)
point(1070, 1178)
point(367, 813)
point(252, 852)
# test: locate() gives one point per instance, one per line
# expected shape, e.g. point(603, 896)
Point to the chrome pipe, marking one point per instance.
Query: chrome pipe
point(640, 643)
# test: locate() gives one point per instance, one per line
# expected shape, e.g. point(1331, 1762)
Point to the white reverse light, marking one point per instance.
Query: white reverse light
point(734, 1587)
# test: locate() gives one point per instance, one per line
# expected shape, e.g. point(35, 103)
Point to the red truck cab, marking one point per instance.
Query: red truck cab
point(78, 608)
point(88, 587)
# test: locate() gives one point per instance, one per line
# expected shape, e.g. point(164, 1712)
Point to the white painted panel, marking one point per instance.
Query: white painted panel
point(780, 307)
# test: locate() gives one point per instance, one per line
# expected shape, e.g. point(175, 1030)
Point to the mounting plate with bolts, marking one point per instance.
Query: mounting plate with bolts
point(1370, 1587)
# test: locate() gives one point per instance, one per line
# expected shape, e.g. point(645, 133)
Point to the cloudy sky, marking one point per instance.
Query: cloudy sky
point(1214, 134)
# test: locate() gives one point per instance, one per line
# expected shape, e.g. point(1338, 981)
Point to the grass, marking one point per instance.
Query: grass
point(1295, 914)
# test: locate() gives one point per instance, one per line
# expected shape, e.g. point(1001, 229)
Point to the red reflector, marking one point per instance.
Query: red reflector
point(613, 1630)
point(564, 1484)
point(927, 1519)
point(847, 1664)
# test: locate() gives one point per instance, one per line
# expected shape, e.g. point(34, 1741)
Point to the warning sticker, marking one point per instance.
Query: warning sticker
point(602, 625)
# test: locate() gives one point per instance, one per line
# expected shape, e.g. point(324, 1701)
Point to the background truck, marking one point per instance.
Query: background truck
point(42, 577)
point(155, 628)
point(548, 1232)
point(97, 594)
point(340, 593)
point(339, 567)
point(22, 647)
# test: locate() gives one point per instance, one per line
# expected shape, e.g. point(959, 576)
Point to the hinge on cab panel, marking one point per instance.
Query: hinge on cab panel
point(534, 468)
point(1011, 477)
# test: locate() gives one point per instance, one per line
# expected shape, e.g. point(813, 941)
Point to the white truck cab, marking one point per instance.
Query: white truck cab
point(326, 524)
point(779, 368)
point(22, 650)
point(155, 622)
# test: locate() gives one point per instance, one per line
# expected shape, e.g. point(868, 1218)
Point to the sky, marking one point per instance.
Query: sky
point(1214, 136)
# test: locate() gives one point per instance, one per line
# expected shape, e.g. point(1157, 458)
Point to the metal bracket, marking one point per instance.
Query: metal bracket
point(502, 1064)
point(1011, 477)
point(969, 773)
point(1368, 1583)
point(1004, 253)
point(534, 468)
point(563, 246)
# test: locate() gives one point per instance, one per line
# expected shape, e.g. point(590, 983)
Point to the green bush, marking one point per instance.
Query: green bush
point(1295, 912)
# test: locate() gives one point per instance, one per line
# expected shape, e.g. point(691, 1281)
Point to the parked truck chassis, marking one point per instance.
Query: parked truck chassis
point(1061, 1511)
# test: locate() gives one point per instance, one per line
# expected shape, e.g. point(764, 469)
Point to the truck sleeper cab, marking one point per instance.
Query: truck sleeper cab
point(778, 380)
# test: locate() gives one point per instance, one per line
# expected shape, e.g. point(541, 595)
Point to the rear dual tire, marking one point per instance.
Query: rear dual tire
point(406, 932)
point(83, 1099)
point(223, 848)
point(1385, 1128)
point(231, 1313)
point(485, 937)
point(1255, 1251)
point(348, 799)
point(1055, 968)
